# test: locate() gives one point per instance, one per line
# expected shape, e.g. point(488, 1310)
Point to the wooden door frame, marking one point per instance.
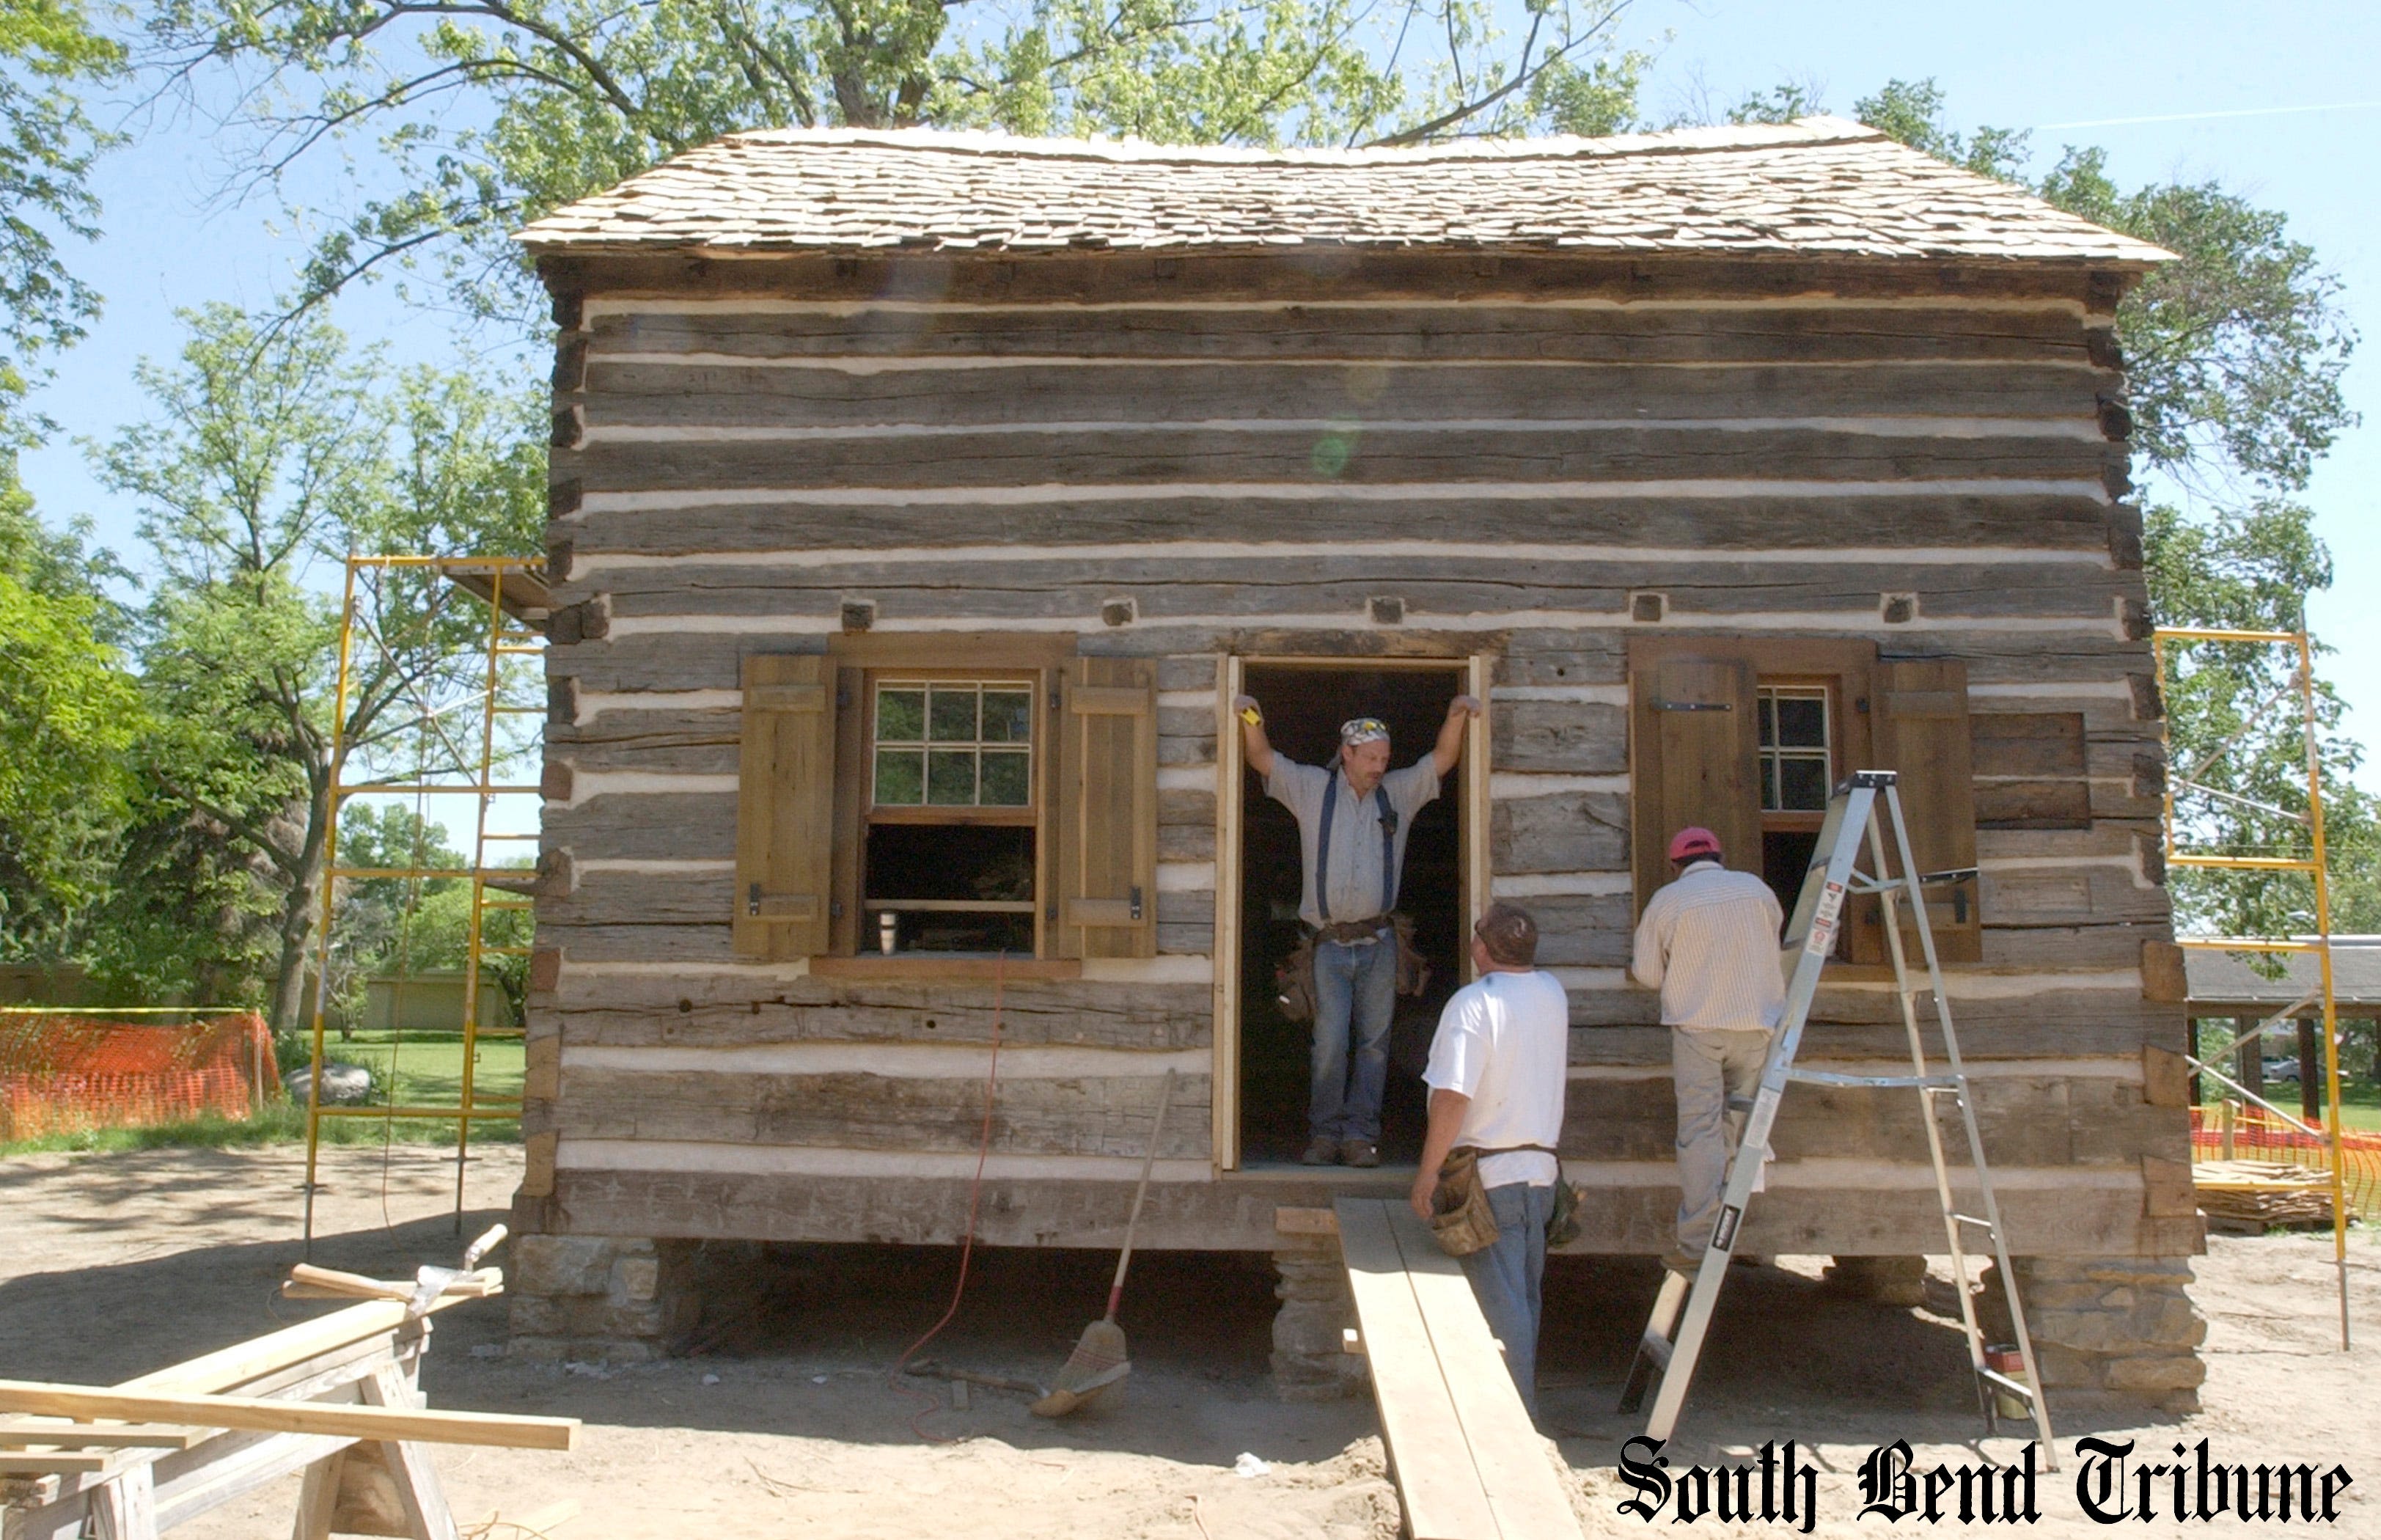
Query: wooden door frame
point(1471, 833)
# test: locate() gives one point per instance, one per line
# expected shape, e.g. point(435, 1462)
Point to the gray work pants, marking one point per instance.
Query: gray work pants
point(1711, 1068)
point(1505, 1278)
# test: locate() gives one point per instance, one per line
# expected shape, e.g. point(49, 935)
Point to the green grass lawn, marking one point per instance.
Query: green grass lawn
point(428, 1071)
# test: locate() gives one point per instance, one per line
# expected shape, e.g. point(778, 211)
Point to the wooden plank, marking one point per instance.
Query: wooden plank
point(418, 1491)
point(736, 1010)
point(945, 588)
point(2047, 1120)
point(718, 394)
point(275, 1416)
point(1507, 1448)
point(126, 1508)
point(1079, 1115)
point(1582, 831)
point(1765, 522)
point(1370, 332)
point(262, 1357)
point(1067, 453)
point(27, 1433)
point(784, 806)
point(1633, 1210)
point(1580, 736)
point(1440, 1488)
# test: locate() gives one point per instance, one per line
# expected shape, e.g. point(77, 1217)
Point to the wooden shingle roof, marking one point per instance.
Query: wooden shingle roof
point(1820, 186)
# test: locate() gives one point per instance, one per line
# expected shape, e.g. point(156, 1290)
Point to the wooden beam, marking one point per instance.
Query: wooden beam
point(1437, 1482)
point(1506, 1448)
point(98, 1436)
point(271, 1416)
point(258, 1357)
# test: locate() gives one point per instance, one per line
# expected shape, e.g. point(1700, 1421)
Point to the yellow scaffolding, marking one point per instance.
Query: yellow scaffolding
point(514, 589)
point(2314, 863)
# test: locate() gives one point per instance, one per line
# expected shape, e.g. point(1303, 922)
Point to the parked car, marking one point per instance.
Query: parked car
point(2282, 1068)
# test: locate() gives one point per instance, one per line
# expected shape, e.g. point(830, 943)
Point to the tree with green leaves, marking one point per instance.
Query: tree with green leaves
point(47, 144)
point(2233, 359)
point(69, 710)
point(269, 454)
point(495, 112)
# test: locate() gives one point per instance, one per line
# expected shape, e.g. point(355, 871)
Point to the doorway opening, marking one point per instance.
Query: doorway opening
point(1305, 703)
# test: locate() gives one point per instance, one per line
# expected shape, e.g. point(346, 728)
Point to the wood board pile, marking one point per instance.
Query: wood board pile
point(2262, 1192)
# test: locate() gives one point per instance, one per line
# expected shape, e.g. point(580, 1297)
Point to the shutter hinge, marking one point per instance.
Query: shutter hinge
point(752, 899)
point(1135, 903)
point(1051, 913)
point(835, 909)
point(1693, 705)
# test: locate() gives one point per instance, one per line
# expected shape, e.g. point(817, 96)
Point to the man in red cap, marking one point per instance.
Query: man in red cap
point(1709, 943)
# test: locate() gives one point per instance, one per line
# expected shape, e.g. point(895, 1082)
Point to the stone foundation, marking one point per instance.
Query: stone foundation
point(1310, 1358)
point(600, 1298)
point(2111, 1334)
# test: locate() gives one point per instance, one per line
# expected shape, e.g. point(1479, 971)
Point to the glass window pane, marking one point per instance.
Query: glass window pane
point(1803, 722)
point(900, 716)
point(950, 775)
point(1802, 784)
point(900, 777)
point(951, 715)
point(1769, 783)
point(1007, 715)
point(1768, 719)
point(1007, 777)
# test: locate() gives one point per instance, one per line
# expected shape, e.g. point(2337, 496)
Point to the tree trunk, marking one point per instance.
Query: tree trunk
point(301, 909)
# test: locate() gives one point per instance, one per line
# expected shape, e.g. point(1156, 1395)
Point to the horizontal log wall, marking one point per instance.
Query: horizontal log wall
point(1514, 450)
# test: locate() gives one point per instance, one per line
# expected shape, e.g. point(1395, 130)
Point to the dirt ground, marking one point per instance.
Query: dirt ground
point(113, 1264)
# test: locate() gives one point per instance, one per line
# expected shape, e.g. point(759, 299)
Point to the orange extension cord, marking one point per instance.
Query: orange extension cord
point(967, 1244)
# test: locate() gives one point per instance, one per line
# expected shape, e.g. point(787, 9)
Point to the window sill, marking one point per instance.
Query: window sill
point(927, 965)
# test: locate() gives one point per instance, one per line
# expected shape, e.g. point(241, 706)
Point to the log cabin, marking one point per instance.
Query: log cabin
point(919, 501)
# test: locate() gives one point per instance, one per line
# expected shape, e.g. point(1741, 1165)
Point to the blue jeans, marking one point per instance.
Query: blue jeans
point(1354, 987)
point(1505, 1278)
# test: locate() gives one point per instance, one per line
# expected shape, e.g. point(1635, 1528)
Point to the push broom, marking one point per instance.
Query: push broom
point(1099, 1358)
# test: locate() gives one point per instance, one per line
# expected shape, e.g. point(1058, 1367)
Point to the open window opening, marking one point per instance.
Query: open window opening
point(1304, 705)
point(948, 855)
point(1795, 728)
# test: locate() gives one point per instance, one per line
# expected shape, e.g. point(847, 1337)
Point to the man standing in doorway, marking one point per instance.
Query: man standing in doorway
point(1352, 821)
point(1709, 943)
point(1497, 1071)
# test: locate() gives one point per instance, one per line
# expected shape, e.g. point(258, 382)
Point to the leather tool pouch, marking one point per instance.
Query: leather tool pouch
point(1459, 1216)
point(1293, 982)
point(1462, 1218)
point(1413, 969)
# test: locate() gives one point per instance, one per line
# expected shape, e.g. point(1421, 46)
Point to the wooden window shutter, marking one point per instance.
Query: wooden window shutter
point(1107, 810)
point(1922, 733)
point(1696, 750)
point(784, 806)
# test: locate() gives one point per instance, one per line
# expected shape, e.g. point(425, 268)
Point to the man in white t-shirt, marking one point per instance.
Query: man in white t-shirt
point(1496, 1077)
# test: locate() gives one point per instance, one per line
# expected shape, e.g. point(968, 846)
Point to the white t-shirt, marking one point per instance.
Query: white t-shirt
point(1505, 1041)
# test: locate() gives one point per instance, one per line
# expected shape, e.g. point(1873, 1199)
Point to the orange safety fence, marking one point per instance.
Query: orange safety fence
point(2259, 1135)
point(63, 1074)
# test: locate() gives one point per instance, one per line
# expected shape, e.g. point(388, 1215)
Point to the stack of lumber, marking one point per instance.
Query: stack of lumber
point(2261, 1193)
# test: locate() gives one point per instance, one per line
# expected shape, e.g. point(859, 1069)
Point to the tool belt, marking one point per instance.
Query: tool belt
point(1460, 1217)
point(1293, 976)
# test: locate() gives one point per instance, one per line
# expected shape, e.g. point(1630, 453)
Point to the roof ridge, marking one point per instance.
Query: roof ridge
point(1802, 132)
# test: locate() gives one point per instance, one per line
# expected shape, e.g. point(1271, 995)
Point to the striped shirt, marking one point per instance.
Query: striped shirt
point(1709, 943)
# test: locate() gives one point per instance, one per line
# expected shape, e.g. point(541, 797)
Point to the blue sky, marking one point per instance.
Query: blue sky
point(170, 242)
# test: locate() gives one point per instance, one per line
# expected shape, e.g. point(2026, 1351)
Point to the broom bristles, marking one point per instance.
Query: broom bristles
point(1097, 1362)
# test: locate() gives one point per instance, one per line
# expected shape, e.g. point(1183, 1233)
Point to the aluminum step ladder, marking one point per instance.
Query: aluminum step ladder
point(1673, 1338)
